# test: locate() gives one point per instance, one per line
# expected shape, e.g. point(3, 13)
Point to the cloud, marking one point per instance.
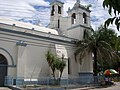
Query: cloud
point(23, 9)
point(39, 10)
point(37, 2)
point(15, 9)
point(98, 13)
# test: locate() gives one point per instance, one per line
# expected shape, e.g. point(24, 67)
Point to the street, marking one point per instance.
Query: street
point(113, 87)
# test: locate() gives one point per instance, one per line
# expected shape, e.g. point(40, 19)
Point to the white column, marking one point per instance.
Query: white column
point(21, 59)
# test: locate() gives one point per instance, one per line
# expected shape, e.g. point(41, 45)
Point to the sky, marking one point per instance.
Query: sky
point(38, 11)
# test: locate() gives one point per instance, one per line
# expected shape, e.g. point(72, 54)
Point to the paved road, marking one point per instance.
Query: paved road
point(113, 87)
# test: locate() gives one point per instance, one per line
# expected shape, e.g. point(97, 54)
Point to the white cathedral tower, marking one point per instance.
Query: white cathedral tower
point(56, 14)
point(75, 24)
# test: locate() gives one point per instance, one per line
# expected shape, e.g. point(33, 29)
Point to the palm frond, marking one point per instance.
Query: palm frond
point(97, 44)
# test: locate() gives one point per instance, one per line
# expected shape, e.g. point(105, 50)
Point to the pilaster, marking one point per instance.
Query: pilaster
point(22, 56)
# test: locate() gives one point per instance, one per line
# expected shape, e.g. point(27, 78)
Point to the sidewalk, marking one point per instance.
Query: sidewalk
point(112, 87)
point(82, 87)
point(85, 88)
point(4, 88)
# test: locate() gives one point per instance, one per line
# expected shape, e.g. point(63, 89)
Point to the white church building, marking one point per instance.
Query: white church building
point(23, 46)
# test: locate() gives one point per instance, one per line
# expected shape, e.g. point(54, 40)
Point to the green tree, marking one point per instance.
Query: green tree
point(99, 48)
point(113, 7)
point(60, 65)
point(117, 45)
point(110, 37)
point(55, 63)
point(51, 62)
point(117, 48)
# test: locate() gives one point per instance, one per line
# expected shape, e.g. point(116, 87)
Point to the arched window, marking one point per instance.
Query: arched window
point(59, 10)
point(52, 11)
point(73, 18)
point(84, 18)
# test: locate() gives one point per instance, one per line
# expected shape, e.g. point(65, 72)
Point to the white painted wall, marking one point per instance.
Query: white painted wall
point(86, 65)
point(30, 60)
point(76, 33)
point(74, 69)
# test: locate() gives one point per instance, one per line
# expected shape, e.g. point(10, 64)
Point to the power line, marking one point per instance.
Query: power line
point(25, 17)
point(6, 8)
point(20, 15)
point(16, 7)
point(14, 16)
point(17, 11)
point(25, 10)
point(20, 7)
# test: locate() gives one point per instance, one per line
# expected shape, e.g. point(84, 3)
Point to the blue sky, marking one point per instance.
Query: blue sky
point(35, 11)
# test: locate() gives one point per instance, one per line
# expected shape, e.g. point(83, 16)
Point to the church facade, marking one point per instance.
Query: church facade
point(23, 46)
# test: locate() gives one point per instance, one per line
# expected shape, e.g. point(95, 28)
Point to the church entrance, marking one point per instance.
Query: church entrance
point(3, 69)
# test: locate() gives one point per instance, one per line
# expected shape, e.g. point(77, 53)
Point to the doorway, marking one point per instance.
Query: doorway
point(3, 69)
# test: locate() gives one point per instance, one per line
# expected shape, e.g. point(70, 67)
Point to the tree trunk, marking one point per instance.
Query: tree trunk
point(95, 66)
point(60, 76)
point(53, 71)
point(95, 62)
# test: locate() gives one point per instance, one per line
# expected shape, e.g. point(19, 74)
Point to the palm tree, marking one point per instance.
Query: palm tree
point(100, 49)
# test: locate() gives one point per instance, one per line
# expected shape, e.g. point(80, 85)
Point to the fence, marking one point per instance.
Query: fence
point(20, 81)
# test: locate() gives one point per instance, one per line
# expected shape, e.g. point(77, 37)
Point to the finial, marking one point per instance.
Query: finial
point(53, 0)
point(78, 1)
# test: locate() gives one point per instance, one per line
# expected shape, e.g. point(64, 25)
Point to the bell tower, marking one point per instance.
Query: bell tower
point(56, 13)
point(79, 21)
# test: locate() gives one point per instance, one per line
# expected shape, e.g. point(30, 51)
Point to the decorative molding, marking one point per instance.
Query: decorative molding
point(21, 43)
point(79, 26)
point(53, 37)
